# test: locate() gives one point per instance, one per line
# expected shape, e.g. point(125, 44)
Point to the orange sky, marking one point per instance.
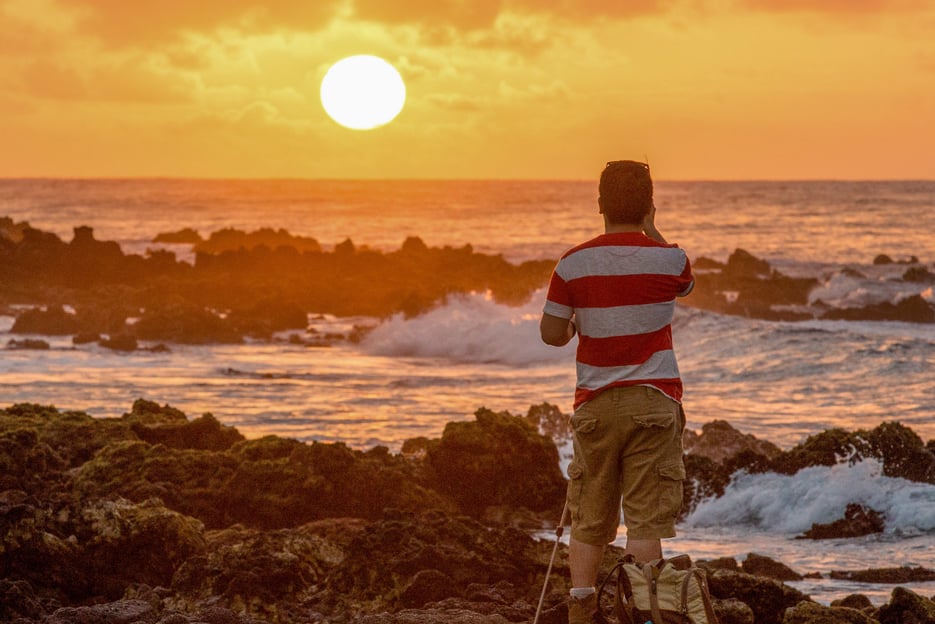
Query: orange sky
point(706, 89)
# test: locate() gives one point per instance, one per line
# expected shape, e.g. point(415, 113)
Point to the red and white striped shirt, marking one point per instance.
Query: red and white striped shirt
point(621, 288)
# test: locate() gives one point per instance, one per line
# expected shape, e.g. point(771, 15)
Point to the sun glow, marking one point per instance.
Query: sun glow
point(362, 92)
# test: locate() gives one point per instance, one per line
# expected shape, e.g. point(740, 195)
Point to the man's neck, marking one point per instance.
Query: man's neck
point(618, 228)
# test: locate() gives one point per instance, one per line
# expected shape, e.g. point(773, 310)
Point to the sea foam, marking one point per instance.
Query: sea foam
point(471, 329)
point(819, 494)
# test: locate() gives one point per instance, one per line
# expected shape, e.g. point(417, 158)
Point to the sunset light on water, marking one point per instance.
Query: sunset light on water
point(272, 275)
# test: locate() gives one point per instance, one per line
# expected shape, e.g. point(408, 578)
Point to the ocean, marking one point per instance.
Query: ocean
point(780, 381)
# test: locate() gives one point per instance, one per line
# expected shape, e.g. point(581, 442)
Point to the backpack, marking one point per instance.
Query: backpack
point(663, 591)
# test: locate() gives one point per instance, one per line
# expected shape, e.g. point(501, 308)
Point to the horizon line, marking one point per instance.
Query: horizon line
point(439, 179)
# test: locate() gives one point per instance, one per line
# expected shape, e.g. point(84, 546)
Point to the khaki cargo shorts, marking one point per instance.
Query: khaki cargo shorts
point(628, 444)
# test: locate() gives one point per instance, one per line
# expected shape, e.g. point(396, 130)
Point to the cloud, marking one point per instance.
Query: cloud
point(462, 14)
point(837, 6)
point(123, 22)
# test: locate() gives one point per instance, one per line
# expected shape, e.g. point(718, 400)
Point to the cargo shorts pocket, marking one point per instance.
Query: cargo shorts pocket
point(670, 476)
point(583, 424)
point(662, 420)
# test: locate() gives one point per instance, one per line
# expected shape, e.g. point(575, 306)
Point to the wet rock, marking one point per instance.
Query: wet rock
point(767, 598)
point(733, 611)
point(886, 575)
point(28, 344)
point(721, 563)
point(120, 342)
point(19, 600)
point(919, 274)
point(120, 612)
point(853, 601)
point(428, 586)
point(759, 565)
point(184, 236)
point(704, 479)
point(719, 440)
point(907, 607)
point(911, 309)
point(268, 483)
point(452, 547)
point(50, 321)
point(260, 571)
point(185, 323)
point(204, 433)
point(813, 613)
point(741, 263)
point(433, 616)
point(159, 538)
point(497, 459)
point(231, 239)
point(899, 449)
point(267, 316)
point(857, 521)
point(748, 286)
point(704, 263)
point(35, 430)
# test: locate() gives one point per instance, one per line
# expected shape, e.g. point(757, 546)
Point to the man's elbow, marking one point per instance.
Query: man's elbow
point(553, 340)
point(552, 335)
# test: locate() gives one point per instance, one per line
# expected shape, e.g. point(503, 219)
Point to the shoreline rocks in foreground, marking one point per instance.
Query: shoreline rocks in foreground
point(157, 518)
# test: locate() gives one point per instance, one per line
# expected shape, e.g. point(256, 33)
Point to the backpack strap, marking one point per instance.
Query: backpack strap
point(651, 573)
point(623, 595)
point(702, 581)
point(705, 595)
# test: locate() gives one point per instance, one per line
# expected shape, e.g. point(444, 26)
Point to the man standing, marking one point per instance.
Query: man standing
point(617, 292)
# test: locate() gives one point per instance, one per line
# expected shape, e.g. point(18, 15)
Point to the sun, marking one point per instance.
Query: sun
point(362, 92)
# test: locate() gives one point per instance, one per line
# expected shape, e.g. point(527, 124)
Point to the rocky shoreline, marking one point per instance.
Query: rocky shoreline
point(160, 519)
point(254, 284)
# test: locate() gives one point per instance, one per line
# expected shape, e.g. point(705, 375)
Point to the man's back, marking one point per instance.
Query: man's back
point(621, 288)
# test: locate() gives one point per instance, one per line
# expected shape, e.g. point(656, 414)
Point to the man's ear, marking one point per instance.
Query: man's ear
point(600, 205)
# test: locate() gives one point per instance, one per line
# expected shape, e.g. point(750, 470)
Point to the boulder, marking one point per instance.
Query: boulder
point(50, 321)
point(907, 607)
point(741, 263)
point(497, 459)
point(159, 539)
point(854, 601)
point(904, 574)
point(204, 433)
point(186, 323)
point(813, 613)
point(719, 440)
point(759, 565)
point(857, 521)
point(768, 598)
point(733, 611)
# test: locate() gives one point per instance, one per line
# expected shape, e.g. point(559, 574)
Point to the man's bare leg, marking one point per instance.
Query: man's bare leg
point(643, 550)
point(584, 560)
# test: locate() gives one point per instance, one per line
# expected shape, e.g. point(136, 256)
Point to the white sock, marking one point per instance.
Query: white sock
point(582, 592)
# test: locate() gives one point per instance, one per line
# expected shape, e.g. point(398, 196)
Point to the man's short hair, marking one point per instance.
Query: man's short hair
point(626, 191)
